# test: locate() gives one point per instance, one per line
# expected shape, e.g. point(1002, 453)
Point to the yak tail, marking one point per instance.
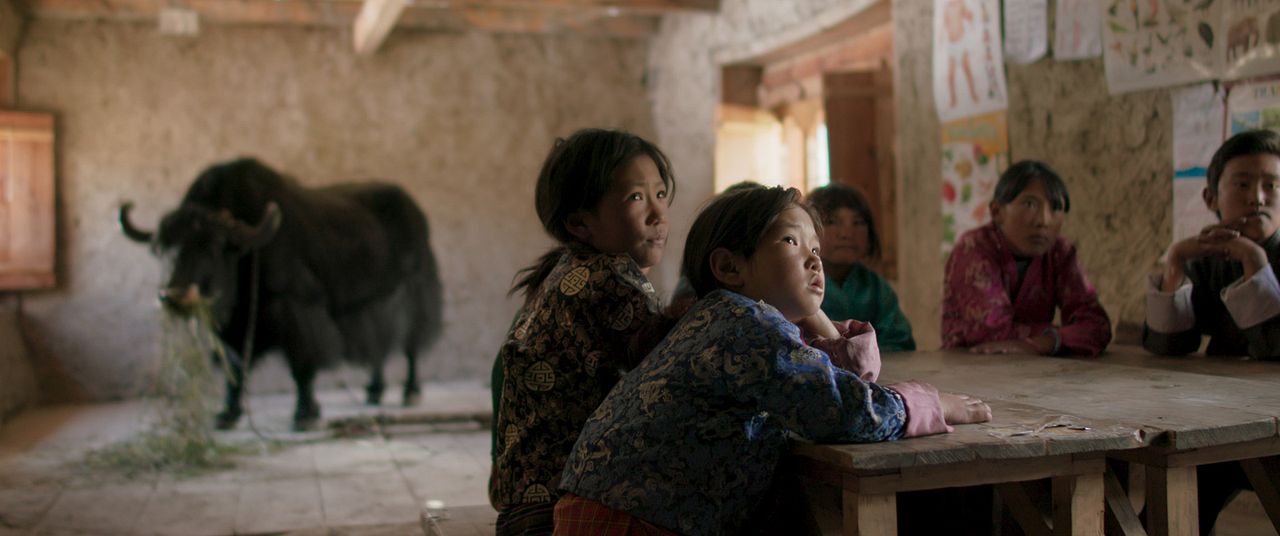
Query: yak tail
point(530, 278)
point(428, 305)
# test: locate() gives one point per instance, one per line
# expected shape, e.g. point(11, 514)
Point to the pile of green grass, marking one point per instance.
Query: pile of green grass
point(184, 396)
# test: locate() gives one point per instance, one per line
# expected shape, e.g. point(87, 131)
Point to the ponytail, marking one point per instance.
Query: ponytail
point(534, 275)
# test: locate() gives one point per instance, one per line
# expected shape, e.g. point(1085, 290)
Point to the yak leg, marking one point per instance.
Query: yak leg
point(412, 392)
point(376, 385)
point(306, 412)
point(232, 408)
point(312, 340)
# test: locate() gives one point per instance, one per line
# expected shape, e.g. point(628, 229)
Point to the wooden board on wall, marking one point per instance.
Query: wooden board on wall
point(859, 112)
point(27, 238)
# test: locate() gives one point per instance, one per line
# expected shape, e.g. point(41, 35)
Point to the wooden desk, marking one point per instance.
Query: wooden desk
point(1179, 419)
point(1174, 466)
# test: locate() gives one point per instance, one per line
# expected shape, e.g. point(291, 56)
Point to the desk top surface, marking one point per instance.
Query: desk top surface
point(1045, 406)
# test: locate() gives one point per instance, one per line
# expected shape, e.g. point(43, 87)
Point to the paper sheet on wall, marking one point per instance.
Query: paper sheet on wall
point(1077, 32)
point(1151, 43)
point(1251, 32)
point(1198, 116)
point(974, 153)
point(1253, 105)
point(968, 64)
point(1026, 30)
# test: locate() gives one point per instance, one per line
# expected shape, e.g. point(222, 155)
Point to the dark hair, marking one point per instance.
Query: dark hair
point(575, 175)
point(735, 221)
point(832, 197)
point(1016, 179)
point(741, 185)
point(1246, 143)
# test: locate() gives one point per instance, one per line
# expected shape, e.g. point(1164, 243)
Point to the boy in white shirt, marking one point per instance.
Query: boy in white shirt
point(1222, 282)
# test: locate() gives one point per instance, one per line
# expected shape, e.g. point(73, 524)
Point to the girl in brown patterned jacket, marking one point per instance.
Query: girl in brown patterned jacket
point(589, 315)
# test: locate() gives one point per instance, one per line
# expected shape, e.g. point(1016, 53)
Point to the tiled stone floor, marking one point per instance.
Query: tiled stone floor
point(314, 483)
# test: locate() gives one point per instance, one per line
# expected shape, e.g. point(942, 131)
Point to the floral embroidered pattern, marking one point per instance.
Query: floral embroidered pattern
point(983, 301)
point(689, 440)
point(567, 350)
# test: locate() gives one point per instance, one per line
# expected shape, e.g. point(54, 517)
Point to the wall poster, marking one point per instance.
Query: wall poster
point(1198, 124)
point(1077, 32)
point(974, 153)
point(968, 63)
point(1150, 44)
point(1251, 33)
point(1026, 30)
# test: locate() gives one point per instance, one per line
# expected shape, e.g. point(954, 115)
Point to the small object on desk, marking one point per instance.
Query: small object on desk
point(1069, 422)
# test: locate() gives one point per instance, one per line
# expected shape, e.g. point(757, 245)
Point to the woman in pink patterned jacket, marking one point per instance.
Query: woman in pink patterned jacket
point(1005, 280)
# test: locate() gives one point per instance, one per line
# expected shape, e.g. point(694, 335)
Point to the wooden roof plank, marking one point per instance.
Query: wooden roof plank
point(593, 19)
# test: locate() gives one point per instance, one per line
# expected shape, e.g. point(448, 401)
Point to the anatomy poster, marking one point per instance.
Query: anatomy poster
point(968, 63)
point(1026, 30)
point(1160, 43)
point(1198, 115)
point(1251, 37)
point(974, 153)
point(1077, 32)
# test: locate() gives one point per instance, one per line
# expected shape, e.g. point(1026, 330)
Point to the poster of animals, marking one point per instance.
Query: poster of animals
point(1159, 43)
point(974, 153)
point(968, 62)
point(1252, 38)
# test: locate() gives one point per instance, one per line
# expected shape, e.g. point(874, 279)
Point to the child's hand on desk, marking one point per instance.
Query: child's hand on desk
point(963, 409)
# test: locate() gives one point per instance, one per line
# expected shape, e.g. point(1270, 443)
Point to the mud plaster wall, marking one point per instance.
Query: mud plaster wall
point(1114, 152)
point(461, 120)
point(685, 59)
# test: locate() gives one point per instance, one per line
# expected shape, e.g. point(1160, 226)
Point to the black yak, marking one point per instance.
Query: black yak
point(340, 273)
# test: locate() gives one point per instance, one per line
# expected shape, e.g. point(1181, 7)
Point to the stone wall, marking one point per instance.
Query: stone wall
point(17, 383)
point(1114, 153)
point(461, 120)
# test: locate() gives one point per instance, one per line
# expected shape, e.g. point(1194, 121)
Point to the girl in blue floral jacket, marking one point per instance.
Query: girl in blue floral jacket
point(689, 440)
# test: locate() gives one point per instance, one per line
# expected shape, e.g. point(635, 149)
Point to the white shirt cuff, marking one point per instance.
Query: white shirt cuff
point(1255, 300)
point(1170, 312)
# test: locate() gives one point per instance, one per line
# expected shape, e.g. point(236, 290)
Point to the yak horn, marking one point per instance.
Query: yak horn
point(135, 234)
point(259, 235)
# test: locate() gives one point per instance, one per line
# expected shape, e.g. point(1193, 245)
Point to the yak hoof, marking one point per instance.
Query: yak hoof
point(305, 424)
point(412, 396)
point(373, 396)
point(306, 418)
point(226, 420)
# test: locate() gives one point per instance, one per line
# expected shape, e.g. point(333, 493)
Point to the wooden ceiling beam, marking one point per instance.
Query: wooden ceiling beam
point(545, 22)
point(374, 23)
point(421, 14)
point(215, 11)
